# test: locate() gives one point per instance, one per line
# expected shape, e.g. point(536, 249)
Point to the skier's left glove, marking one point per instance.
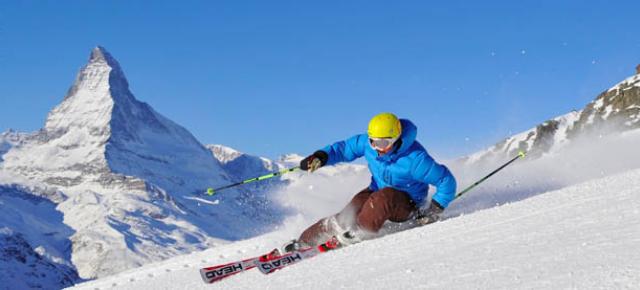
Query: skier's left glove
point(429, 215)
point(314, 161)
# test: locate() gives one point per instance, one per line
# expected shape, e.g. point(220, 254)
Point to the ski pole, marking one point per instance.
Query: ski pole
point(521, 154)
point(212, 191)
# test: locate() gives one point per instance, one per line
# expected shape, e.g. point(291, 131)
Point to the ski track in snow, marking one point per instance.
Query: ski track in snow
point(579, 237)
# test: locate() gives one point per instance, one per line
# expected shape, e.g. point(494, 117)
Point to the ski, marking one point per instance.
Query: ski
point(216, 273)
point(267, 263)
point(268, 266)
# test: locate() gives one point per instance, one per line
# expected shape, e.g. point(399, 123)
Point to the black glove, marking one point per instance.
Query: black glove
point(314, 161)
point(429, 215)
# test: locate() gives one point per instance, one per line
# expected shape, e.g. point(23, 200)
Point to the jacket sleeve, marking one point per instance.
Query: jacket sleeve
point(347, 150)
point(425, 169)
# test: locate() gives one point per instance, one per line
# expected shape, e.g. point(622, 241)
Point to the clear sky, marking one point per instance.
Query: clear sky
point(274, 77)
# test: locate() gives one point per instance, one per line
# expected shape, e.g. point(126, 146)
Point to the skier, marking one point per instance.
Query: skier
point(401, 170)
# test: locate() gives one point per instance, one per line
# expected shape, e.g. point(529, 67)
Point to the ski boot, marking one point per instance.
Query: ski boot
point(291, 246)
point(347, 238)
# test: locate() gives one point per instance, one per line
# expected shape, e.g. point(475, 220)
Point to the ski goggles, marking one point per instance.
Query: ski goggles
point(382, 143)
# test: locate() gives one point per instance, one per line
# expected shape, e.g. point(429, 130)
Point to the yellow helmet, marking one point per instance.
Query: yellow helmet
point(384, 125)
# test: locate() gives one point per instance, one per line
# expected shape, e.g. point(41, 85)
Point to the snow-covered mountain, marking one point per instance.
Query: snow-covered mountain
point(127, 180)
point(10, 139)
point(613, 111)
point(581, 237)
point(242, 165)
point(101, 129)
point(34, 242)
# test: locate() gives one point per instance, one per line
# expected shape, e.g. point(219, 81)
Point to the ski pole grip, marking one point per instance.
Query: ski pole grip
point(210, 191)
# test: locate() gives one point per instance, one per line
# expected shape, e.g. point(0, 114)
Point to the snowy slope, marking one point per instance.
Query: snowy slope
point(583, 236)
point(574, 163)
point(34, 242)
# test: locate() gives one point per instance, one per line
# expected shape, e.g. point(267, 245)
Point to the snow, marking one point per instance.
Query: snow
point(477, 156)
point(578, 237)
point(528, 137)
point(223, 153)
point(565, 124)
point(33, 242)
point(313, 196)
point(598, 103)
point(204, 201)
point(10, 139)
point(630, 81)
point(607, 111)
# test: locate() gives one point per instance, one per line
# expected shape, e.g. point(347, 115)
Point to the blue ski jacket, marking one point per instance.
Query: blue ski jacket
point(408, 168)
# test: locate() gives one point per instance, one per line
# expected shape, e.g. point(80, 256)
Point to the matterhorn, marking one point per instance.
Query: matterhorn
point(125, 183)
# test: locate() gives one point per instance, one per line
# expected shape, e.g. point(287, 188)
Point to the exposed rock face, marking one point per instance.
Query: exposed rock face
point(613, 111)
point(616, 109)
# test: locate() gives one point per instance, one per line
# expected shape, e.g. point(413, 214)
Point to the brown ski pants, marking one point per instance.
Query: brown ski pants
point(367, 211)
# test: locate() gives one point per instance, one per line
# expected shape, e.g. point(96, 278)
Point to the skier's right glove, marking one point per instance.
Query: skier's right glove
point(314, 161)
point(429, 215)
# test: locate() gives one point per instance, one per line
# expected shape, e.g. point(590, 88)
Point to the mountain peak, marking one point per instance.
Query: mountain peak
point(100, 55)
point(99, 85)
point(101, 72)
point(89, 102)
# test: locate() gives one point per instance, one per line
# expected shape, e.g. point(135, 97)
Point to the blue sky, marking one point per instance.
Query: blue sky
point(273, 77)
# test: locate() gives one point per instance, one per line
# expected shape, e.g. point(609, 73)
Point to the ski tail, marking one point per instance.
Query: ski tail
point(216, 273)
